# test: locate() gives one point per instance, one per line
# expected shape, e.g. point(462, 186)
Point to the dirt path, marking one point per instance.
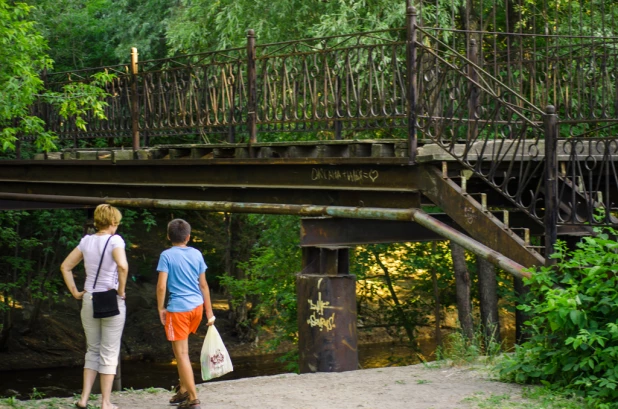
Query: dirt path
point(415, 386)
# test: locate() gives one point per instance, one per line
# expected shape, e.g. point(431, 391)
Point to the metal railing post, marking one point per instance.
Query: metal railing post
point(134, 100)
point(338, 124)
point(411, 74)
point(473, 98)
point(551, 182)
point(251, 89)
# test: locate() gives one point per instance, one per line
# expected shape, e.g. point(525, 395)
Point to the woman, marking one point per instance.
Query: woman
point(102, 334)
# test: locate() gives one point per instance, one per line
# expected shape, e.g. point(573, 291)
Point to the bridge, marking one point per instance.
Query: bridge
point(419, 133)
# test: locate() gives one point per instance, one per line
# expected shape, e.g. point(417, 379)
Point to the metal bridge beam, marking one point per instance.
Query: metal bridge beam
point(326, 183)
point(414, 214)
point(333, 232)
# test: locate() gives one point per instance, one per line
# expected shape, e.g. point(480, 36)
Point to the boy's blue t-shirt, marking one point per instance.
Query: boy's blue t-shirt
point(183, 266)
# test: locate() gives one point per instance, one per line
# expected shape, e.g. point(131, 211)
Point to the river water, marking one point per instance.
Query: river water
point(62, 382)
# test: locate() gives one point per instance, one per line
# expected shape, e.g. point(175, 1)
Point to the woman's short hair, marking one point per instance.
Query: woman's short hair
point(106, 215)
point(178, 230)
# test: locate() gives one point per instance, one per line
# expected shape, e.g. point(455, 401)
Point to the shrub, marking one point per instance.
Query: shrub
point(573, 332)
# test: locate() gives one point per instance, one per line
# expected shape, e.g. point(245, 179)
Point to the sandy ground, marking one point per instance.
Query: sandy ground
point(416, 386)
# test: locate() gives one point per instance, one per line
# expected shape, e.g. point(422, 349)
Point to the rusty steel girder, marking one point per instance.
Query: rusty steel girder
point(320, 183)
point(332, 232)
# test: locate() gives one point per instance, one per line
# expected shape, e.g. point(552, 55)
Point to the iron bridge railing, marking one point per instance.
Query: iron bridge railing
point(500, 103)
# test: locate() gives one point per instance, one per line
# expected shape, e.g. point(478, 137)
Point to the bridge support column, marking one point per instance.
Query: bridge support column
point(326, 295)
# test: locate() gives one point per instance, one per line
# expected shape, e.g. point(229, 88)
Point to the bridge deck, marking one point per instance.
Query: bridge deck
point(372, 151)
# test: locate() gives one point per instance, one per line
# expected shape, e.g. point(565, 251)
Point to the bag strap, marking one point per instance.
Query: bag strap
point(101, 262)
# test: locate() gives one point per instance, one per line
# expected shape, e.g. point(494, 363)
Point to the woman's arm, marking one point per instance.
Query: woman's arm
point(66, 268)
point(120, 257)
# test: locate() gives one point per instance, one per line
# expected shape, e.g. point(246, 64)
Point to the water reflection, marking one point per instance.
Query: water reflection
point(62, 382)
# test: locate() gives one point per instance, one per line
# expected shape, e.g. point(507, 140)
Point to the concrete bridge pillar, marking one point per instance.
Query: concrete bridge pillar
point(326, 295)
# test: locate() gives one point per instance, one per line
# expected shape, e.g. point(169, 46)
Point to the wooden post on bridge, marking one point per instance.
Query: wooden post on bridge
point(326, 296)
point(134, 100)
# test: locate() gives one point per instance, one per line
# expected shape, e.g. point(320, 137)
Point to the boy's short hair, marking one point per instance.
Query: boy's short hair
point(178, 230)
point(106, 215)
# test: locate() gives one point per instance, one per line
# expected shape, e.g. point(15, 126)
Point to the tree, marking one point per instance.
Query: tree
point(462, 282)
point(203, 25)
point(101, 33)
point(23, 52)
point(268, 279)
point(23, 55)
point(32, 245)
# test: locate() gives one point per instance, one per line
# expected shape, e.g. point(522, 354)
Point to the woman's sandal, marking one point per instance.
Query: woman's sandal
point(179, 397)
point(78, 406)
point(193, 404)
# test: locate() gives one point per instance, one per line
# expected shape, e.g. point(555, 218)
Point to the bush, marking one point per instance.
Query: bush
point(573, 331)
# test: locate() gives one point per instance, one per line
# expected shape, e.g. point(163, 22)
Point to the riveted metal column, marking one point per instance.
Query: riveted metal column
point(134, 100)
point(551, 182)
point(251, 89)
point(326, 296)
point(411, 75)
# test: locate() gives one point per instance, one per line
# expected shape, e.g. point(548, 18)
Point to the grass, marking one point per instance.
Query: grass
point(37, 400)
point(532, 398)
point(459, 351)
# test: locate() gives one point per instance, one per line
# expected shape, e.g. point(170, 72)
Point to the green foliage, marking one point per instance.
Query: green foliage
point(573, 333)
point(11, 402)
point(80, 98)
point(203, 25)
point(23, 52)
point(101, 32)
point(35, 394)
point(533, 398)
point(270, 278)
point(459, 350)
point(32, 245)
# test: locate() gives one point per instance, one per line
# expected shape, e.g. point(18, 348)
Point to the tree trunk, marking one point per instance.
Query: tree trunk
point(488, 295)
point(403, 318)
point(462, 285)
point(436, 297)
point(42, 296)
point(239, 313)
point(437, 307)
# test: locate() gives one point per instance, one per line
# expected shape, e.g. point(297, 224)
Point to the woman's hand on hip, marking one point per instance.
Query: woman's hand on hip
point(78, 295)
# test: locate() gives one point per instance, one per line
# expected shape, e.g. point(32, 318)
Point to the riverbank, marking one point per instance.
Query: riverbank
point(417, 386)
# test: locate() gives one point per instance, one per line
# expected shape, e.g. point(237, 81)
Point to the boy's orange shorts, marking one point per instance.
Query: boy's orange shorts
point(178, 325)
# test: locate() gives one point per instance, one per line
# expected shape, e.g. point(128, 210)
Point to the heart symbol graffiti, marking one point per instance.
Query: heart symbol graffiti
point(373, 175)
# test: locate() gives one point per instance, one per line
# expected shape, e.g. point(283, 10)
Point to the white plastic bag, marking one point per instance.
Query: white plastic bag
point(215, 359)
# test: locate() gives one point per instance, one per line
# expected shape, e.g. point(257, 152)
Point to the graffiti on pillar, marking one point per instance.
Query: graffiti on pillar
point(317, 319)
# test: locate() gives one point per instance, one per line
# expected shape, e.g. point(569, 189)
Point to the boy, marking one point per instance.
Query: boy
point(183, 269)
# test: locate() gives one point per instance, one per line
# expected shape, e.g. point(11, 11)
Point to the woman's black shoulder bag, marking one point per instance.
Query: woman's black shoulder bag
point(105, 303)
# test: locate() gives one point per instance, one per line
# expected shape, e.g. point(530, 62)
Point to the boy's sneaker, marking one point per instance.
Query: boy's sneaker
point(190, 404)
point(179, 397)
